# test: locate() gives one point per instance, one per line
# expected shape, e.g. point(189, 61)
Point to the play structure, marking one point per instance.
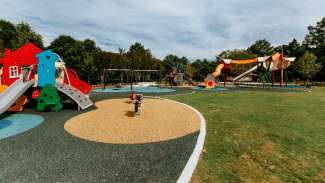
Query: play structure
point(31, 73)
point(177, 76)
point(276, 62)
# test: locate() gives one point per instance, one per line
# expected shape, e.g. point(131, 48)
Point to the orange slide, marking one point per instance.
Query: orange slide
point(218, 70)
point(18, 106)
point(210, 83)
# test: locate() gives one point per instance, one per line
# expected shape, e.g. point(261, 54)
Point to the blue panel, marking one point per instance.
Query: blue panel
point(46, 68)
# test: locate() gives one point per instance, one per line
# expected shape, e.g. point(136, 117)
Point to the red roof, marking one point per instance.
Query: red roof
point(25, 55)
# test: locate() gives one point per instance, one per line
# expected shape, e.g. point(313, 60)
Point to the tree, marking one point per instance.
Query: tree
point(307, 66)
point(25, 34)
point(292, 49)
point(14, 36)
point(89, 45)
point(88, 70)
point(78, 55)
point(170, 61)
point(295, 49)
point(261, 48)
point(141, 58)
point(316, 36)
point(2, 48)
point(315, 42)
point(8, 34)
point(135, 55)
point(202, 68)
point(236, 54)
point(61, 44)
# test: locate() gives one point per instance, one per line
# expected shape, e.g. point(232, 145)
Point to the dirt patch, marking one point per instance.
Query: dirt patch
point(268, 149)
point(113, 122)
point(322, 176)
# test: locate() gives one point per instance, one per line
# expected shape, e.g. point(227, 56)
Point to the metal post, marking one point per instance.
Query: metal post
point(273, 78)
point(131, 81)
point(281, 70)
point(224, 80)
point(286, 75)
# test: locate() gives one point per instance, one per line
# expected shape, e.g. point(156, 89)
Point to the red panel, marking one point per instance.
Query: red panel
point(76, 82)
point(23, 56)
point(8, 61)
point(26, 55)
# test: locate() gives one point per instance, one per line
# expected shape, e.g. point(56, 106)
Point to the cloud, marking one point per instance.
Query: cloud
point(196, 29)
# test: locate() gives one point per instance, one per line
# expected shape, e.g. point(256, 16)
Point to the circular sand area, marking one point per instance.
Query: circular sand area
point(113, 122)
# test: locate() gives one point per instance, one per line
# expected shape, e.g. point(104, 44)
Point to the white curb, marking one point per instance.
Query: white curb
point(191, 164)
point(188, 171)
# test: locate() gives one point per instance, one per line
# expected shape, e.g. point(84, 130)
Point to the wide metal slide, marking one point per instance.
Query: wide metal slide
point(12, 93)
point(81, 99)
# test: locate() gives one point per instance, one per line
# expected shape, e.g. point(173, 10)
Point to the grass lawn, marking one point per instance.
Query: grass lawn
point(261, 136)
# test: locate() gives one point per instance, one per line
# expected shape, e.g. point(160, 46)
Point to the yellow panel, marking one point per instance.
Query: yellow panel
point(3, 88)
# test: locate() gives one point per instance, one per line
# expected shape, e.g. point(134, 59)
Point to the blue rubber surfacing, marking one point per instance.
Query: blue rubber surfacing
point(216, 89)
point(18, 123)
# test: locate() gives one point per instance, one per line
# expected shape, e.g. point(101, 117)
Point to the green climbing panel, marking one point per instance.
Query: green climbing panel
point(49, 99)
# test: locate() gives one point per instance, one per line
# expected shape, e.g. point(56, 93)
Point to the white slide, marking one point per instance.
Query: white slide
point(245, 73)
point(81, 99)
point(12, 93)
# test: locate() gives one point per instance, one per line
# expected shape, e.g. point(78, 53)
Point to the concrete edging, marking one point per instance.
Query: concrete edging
point(191, 164)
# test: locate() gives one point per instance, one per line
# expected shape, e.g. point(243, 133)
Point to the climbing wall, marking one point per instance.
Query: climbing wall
point(81, 99)
point(46, 68)
point(49, 99)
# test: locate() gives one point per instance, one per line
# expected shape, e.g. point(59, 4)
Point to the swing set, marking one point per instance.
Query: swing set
point(130, 76)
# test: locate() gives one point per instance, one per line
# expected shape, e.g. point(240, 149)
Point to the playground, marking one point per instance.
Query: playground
point(240, 144)
point(54, 127)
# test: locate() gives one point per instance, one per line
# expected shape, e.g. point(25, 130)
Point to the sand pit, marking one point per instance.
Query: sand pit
point(113, 122)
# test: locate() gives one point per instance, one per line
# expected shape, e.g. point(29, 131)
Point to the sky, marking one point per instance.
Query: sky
point(192, 28)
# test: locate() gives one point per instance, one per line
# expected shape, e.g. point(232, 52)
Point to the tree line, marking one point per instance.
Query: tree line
point(90, 60)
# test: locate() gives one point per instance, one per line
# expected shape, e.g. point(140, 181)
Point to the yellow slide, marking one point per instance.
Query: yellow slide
point(218, 70)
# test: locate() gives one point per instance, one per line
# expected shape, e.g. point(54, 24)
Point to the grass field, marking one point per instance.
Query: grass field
point(261, 136)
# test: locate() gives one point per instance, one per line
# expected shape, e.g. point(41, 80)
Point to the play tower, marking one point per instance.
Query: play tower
point(43, 72)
